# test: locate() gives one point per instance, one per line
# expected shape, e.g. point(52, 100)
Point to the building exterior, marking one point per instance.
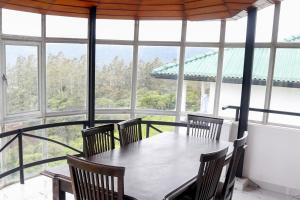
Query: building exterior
point(202, 69)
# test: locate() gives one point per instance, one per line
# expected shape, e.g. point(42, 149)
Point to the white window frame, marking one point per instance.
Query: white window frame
point(136, 43)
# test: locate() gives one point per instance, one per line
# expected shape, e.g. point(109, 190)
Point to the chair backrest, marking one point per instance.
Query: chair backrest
point(130, 131)
point(98, 139)
point(209, 174)
point(207, 127)
point(239, 147)
point(95, 181)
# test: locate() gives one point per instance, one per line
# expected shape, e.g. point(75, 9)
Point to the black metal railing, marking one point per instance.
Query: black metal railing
point(237, 111)
point(23, 132)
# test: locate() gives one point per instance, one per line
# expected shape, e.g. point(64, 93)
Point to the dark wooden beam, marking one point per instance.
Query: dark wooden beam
point(247, 79)
point(91, 60)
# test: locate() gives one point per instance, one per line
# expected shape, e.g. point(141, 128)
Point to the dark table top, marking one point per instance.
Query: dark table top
point(156, 166)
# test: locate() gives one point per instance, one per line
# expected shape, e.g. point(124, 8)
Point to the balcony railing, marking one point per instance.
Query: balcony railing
point(19, 134)
point(237, 111)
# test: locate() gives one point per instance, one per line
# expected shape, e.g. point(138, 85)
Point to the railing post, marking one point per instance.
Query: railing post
point(21, 164)
point(147, 130)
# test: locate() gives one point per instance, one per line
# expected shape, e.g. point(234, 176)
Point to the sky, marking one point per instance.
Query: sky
point(16, 22)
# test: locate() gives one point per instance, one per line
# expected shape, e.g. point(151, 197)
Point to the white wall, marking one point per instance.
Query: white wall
point(272, 158)
point(283, 99)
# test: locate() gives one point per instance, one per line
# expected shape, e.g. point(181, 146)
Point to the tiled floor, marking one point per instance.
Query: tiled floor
point(40, 188)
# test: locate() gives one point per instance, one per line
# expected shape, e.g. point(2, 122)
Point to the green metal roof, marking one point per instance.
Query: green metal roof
point(204, 67)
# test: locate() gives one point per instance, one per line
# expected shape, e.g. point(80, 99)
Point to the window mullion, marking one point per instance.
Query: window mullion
point(42, 74)
point(272, 58)
point(134, 70)
point(180, 80)
point(219, 69)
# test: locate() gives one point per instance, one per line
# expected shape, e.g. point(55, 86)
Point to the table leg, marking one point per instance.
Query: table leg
point(58, 194)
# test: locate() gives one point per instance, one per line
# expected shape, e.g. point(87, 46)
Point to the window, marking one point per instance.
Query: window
point(66, 27)
point(9, 156)
point(21, 63)
point(286, 83)
point(264, 24)
point(160, 30)
point(113, 76)
point(69, 135)
point(112, 116)
point(157, 77)
point(21, 23)
point(203, 31)
point(200, 71)
point(66, 76)
point(110, 29)
point(288, 31)
point(236, 30)
point(231, 88)
point(152, 132)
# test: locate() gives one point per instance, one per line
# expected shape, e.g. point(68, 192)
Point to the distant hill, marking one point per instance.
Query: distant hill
point(105, 53)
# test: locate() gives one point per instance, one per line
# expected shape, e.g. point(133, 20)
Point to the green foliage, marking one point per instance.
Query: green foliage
point(66, 90)
point(66, 82)
point(22, 85)
point(193, 93)
point(156, 100)
point(113, 84)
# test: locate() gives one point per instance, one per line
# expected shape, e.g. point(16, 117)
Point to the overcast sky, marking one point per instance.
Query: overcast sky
point(30, 24)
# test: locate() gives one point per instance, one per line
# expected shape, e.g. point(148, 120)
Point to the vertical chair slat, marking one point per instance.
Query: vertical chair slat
point(228, 186)
point(206, 127)
point(91, 181)
point(130, 131)
point(96, 140)
point(209, 173)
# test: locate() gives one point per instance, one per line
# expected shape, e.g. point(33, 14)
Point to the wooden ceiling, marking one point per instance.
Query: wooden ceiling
point(139, 9)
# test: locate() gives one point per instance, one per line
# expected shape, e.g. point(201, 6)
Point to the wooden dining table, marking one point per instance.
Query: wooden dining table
point(155, 167)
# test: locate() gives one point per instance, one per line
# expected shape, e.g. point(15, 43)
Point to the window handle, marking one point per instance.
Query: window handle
point(4, 78)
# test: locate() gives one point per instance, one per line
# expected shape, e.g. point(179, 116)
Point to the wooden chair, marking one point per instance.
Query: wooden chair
point(225, 190)
point(206, 127)
point(130, 131)
point(91, 181)
point(98, 139)
point(208, 177)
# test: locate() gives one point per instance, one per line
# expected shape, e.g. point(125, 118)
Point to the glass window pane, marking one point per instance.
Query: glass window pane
point(21, 23)
point(66, 76)
point(231, 88)
point(113, 76)
point(200, 70)
point(9, 156)
point(69, 135)
point(286, 86)
point(110, 29)
point(264, 24)
point(164, 118)
point(288, 31)
point(157, 77)
point(112, 116)
point(66, 27)
point(159, 30)
point(22, 78)
point(203, 31)
point(236, 30)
